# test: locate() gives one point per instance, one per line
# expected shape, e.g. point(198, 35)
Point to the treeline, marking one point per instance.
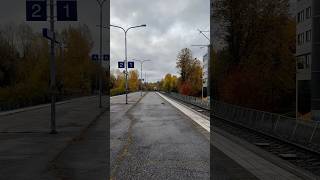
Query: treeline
point(118, 82)
point(254, 66)
point(24, 65)
point(190, 80)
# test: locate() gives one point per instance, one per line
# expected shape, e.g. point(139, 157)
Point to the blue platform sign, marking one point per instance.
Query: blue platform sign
point(67, 10)
point(120, 64)
point(36, 10)
point(131, 64)
point(106, 57)
point(95, 57)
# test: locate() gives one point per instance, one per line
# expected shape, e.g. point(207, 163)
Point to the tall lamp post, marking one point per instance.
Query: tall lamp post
point(126, 55)
point(100, 2)
point(141, 63)
point(53, 85)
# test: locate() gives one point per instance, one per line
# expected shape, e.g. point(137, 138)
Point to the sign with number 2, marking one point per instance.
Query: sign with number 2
point(36, 10)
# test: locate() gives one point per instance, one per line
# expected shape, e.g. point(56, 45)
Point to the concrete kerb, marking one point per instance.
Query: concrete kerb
point(204, 131)
point(198, 127)
point(268, 156)
point(8, 113)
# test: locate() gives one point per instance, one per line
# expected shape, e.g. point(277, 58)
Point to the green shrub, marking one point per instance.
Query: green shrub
point(117, 91)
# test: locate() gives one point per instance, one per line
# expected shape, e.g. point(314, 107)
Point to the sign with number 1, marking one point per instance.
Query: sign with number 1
point(36, 10)
point(130, 64)
point(67, 10)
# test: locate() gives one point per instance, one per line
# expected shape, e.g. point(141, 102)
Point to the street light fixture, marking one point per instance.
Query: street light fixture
point(202, 46)
point(202, 32)
point(126, 51)
point(141, 63)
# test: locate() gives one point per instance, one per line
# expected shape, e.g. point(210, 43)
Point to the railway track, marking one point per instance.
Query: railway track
point(300, 156)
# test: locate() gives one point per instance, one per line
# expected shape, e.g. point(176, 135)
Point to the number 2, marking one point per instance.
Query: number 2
point(36, 8)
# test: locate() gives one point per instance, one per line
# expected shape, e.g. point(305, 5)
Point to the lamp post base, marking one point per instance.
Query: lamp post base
point(54, 132)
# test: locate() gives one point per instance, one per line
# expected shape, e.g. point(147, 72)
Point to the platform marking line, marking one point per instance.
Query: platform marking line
point(203, 122)
point(255, 164)
point(42, 106)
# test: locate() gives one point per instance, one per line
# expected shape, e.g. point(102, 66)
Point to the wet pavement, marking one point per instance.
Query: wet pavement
point(149, 139)
point(158, 142)
point(85, 158)
point(27, 149)
point(222, 166)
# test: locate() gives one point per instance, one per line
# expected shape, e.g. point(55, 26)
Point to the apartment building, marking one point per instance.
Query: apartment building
point(303, 9)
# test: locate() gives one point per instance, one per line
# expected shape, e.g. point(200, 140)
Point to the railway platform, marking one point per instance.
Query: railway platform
point(157, 137)
point(234, 158)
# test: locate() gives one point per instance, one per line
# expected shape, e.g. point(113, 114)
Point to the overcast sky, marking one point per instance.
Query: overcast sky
point(171, 26)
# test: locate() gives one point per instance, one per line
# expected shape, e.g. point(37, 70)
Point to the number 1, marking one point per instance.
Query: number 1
point(67, 10)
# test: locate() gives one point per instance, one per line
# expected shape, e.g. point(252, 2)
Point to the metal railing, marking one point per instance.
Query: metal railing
point(306, 133)
point(191, 100)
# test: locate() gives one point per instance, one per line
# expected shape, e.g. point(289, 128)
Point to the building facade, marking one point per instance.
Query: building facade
point(315, 68)
point(307, 56)
point(303, 9)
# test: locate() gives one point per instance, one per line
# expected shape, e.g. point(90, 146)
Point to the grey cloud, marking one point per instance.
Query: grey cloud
point(171, 26)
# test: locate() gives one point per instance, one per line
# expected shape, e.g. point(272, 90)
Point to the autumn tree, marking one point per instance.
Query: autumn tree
point(112, 81)
point(170, 83)
point(117, 82)
point(120, 80)
point(184, 62)
point(24, 64)
point(77, 69)
point(133, 81)
point(190, 69)
point(174, 83)
point(258, 60)
point(8, 61)
point(195, 78)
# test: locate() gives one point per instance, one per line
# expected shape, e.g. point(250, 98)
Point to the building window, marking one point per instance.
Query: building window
point(308, 61)
point(300, 64)
point(308, 36)
point(304, 62)
point(300, 38)
point(308, 13)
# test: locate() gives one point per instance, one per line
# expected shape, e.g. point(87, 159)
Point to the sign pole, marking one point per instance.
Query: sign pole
point(126, 64)
point(141, 80)
point(53, 71)
point(100, 59)
point(36, 10)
